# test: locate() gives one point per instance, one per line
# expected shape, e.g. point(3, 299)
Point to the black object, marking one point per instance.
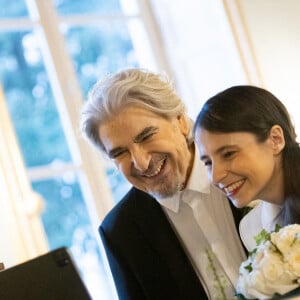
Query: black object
point(52, 276)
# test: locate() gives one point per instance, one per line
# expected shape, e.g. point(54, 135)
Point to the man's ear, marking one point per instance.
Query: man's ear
point(277, 139)
point(183, 124)
point(1, 266)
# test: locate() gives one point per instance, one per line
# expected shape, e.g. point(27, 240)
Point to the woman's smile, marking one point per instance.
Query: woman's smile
point(233, 188)
point(241, 166)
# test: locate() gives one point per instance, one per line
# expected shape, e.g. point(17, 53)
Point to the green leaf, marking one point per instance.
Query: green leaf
point(277, 228)
point(251, 253)
point(249, 268)
point(262, 237)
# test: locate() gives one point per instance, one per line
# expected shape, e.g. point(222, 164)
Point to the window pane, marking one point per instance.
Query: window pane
point(97, 51)
point(68, 7)
point(66, 221)
point(119, 185)
point(30, 100)
point(13, 9)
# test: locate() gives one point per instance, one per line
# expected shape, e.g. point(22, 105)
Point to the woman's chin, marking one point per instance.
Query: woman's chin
point(237, 203)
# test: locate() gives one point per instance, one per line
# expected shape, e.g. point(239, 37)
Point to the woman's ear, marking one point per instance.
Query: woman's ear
point(277, 139)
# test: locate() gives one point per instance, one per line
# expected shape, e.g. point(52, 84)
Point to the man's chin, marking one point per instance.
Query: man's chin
point(162, 195)
point(165, 190)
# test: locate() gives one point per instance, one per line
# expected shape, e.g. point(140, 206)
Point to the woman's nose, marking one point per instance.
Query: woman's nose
point(218, 172)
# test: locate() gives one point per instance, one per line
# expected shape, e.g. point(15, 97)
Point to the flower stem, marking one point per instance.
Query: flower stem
point(210, 256)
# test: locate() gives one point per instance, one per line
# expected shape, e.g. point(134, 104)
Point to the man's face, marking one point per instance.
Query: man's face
point(150, 151)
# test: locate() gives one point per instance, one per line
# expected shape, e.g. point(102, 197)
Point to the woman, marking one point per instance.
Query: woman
point(248, 143)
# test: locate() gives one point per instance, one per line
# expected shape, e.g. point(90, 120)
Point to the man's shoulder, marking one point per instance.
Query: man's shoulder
point(134, 199)
point(134, 203)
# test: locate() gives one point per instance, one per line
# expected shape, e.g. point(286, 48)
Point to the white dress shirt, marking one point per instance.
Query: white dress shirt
point(202, 209)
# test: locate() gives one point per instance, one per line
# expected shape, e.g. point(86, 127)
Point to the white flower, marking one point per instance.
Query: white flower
point(274, 265)
point(287, 241)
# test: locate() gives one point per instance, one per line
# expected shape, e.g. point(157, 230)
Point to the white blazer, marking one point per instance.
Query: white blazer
point(264, 215)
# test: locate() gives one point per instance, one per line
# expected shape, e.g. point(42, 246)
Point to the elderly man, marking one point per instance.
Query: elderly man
point(173, 236)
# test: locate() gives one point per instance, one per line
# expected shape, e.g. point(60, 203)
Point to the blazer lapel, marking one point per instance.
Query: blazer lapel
point(161, 237)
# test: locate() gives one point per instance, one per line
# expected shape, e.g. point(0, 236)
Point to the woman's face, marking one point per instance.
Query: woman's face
point(243, 168)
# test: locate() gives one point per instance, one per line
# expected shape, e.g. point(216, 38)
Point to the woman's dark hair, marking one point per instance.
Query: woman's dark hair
point(255, 110)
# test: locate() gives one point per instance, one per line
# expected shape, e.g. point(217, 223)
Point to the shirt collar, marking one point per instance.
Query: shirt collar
point(264, 215)
point(198, 182)
point(270, 215)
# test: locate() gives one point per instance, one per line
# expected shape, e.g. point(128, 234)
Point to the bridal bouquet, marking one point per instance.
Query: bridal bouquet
point(273, 267)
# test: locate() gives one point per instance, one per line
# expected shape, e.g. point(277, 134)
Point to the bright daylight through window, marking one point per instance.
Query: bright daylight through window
point(40, 40)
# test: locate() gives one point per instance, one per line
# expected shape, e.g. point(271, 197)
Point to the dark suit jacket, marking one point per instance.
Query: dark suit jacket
point(145, 256)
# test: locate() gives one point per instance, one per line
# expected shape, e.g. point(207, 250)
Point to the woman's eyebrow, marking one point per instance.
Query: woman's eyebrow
point(217, 151)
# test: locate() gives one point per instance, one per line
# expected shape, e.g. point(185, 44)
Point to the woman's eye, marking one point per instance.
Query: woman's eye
point(229, 154)
point(207, 163)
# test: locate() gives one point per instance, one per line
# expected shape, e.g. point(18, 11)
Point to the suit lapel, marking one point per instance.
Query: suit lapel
point(157, 230)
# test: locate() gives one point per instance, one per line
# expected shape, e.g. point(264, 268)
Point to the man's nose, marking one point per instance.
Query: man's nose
point(140, 159)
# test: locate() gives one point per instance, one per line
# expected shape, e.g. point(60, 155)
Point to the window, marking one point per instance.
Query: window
point(51, 54)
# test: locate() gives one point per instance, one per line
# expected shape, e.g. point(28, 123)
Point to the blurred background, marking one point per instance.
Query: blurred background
point(54, 188)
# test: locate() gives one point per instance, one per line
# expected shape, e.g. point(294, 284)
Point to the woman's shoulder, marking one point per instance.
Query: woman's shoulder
point(263, 215)
point(251, 224)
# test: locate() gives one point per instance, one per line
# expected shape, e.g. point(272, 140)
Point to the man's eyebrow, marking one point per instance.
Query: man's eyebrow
point(114, 152)
point(138, 139)
point(145, 132)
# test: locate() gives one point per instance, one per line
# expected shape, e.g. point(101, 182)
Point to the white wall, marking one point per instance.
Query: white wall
point(205, 58)
point(274, 30)
point(200, 46)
